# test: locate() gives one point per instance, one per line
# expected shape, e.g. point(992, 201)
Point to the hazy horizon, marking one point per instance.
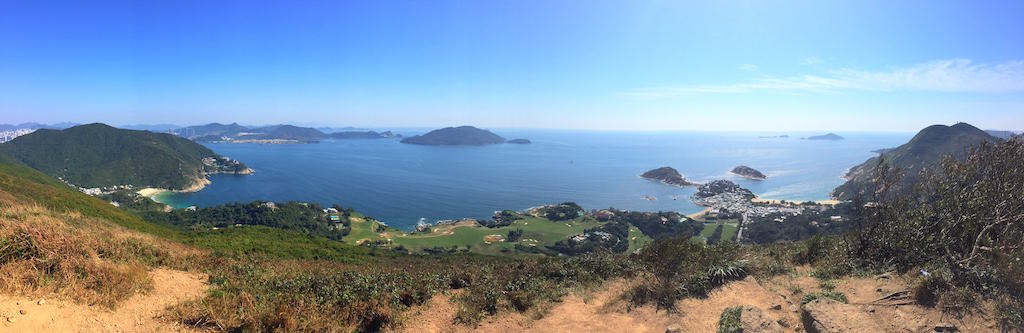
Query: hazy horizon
point(616, 65)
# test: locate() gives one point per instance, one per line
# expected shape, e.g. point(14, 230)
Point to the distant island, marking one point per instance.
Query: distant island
point(748, 172)
point(97, 156)
point(667, 175)
point(519, 141)
point(784, 136)
point(826, 137)
point(924, 150)
point(274, 134)
point(456, 136)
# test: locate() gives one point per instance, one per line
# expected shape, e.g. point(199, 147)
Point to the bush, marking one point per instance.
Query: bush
point(730, 320)
point(680, 267)
point(833, 295)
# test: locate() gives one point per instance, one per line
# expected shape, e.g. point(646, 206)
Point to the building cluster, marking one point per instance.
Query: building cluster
point(11, 134)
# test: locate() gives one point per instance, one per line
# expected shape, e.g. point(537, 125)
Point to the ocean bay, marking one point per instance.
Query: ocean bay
point(400, 183)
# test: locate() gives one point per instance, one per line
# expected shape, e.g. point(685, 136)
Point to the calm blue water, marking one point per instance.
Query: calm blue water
point(400, 183)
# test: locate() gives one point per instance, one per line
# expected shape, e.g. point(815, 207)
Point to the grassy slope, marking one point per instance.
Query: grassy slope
point(30, 185)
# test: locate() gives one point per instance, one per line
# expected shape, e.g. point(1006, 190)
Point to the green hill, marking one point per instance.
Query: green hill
point(456, 136)
point(925, 150)
point(97, 155)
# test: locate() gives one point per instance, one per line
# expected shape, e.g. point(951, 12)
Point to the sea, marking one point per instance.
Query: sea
point(403, 184)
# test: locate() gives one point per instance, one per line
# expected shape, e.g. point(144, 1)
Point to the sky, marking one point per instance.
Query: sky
point(587, 64)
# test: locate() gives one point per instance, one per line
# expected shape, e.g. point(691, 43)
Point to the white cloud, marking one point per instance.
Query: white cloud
point(949, 76)
point(748, 67)
point(813, 61)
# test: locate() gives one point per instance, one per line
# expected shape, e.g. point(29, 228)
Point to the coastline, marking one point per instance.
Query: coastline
point(778, 201)
point(155, 193)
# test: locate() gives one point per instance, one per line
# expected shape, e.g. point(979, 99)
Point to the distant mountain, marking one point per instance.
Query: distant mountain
point(162, 128)
point(97, 155)
point(330, 130)
point(234, 132)
point(287, 132)
point(667, 175)
point(456, 136)
point(925, 150)
point(827, 137)
point(363, 135)
point(1002, 134)
point(214, 129)
point(9, 127)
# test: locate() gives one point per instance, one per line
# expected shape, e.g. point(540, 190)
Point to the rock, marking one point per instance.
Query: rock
point(42, 301)
point(23, 312)
point(674, 328)
point(11, 319)
point(756, 321)
point(793, 308)
point(828, 316)
point(776, 306)
point(946, 327)
point(871, 309)
point(784, 322)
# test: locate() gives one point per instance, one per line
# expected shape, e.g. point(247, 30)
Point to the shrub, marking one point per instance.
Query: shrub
point(730, 320)
point(833, 295)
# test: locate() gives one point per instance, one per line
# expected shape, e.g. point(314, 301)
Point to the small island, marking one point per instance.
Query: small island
point(519, 141)
point(749, 172)
point(667, 175)
point(456, 136)
point(826, 137)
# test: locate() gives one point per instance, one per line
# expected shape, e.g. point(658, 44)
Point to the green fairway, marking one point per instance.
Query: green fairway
point(480, 239)
point(728, 230)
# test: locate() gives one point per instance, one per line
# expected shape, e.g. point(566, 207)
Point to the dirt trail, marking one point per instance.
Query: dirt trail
point(779, 299)
point(140, 313)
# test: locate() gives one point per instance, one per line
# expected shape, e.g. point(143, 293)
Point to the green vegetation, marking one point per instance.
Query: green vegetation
point(98, 155)
point(730, 320)
point(307, 218)
point(925, 150)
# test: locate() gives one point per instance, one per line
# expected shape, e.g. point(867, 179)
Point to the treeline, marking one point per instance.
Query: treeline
point(300, 216)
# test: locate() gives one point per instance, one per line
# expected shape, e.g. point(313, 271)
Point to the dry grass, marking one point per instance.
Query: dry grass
point(86, 259)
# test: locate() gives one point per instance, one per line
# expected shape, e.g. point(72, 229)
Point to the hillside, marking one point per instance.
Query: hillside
point(924, 150)
point(97, 155)
point(456, 136)
point(212, 129)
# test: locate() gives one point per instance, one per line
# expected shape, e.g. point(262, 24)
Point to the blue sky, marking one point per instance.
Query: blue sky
point(629, 65)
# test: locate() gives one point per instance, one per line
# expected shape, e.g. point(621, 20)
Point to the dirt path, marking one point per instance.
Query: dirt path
point(140, 313)
point(603, 311)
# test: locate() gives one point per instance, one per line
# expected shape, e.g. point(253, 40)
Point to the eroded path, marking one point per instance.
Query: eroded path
point(140, 313)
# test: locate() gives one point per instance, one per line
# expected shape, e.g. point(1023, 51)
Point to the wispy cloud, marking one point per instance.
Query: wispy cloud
point(813, 61)
point(950, 76)
point(748, 67)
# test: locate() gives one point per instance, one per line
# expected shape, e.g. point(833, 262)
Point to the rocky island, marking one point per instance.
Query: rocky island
point(749, 172)
point(667, 175)
point(456, 136)
point(826, 137)
point(519, 141)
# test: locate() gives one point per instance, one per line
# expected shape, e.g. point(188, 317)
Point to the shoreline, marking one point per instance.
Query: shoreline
point(154, 193)
point(779, 201)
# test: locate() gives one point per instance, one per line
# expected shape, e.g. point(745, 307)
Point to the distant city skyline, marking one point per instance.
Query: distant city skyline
point(593, 65)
